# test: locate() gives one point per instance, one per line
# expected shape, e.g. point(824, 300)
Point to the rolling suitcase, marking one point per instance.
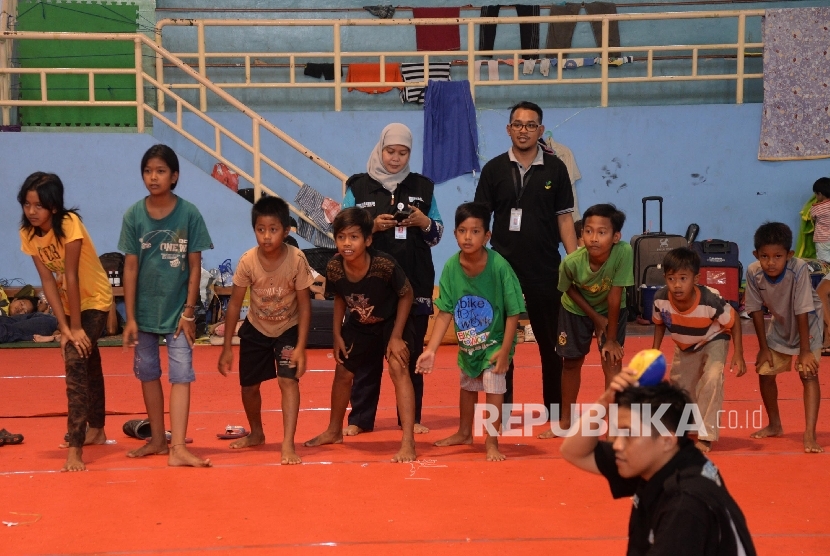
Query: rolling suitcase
point(649, 249)
point(720, 268)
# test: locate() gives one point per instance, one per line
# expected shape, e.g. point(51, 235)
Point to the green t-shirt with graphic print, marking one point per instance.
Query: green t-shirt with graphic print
point(575, 269)
point(162, 247)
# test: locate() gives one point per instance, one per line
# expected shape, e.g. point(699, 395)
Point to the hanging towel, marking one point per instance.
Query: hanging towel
point(320, 70)
point(528, 66)
point(370, 73)
point(439, 71)
point(310, 201)
point(450, 132)
point(383, 11)
point(544, 66)
point(437, 37)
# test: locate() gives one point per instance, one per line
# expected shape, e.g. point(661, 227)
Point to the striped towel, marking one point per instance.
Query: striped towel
point(438, 71)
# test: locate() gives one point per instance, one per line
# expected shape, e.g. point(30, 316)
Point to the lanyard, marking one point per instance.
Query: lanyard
point(524, 180)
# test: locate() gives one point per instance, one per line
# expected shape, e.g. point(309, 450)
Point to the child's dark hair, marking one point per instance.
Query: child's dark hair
point(49, 189)
point(271, 206)
point(473, 210)
point(661, 395)
point(526, 105)
point(774, 233)
point(822, 186)
point(681, 258)
point(166, 154)
point(578, 228)
point(353, 216)
point(606, 210)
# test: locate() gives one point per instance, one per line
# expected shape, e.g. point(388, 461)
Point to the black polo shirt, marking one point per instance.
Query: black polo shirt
point(533, 252)
point(683, 510)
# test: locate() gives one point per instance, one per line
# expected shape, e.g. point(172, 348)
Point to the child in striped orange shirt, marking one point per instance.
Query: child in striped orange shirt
point(700, 322)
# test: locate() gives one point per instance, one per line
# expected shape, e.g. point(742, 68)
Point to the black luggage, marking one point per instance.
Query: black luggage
point(720, 268)
point(649, 249)
point(321, 333)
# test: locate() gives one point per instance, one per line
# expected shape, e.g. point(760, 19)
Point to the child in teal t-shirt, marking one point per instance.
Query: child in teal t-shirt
point(163, 237)
point(479, 291)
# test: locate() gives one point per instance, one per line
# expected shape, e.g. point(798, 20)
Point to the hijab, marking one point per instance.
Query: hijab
point(393, 134)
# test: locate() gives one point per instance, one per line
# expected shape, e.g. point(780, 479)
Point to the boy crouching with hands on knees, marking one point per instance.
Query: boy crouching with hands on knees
point(374, 295)
point(480, 292)
point(680, 502)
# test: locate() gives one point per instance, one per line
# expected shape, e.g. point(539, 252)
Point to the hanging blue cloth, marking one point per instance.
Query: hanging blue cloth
point(450, 132)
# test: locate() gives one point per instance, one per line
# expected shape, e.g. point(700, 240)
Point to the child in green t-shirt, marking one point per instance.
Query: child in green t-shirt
point(592, 280)
point(480, 292)
point(163, 237)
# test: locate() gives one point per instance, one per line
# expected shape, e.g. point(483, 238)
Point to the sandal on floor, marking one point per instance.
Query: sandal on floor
point(137, 428)
point(232, 432)
point(10, 438)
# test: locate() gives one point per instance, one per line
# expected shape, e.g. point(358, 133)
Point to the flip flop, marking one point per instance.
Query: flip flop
point(137, 428)
point(232, 432)
point(169, 436)
point(10, 438)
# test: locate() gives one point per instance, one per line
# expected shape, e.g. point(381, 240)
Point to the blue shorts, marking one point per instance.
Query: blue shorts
point(147, 364)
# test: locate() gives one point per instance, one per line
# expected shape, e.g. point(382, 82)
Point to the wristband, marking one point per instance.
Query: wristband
point(186, 306)
point(428, 228)
point(188, 319)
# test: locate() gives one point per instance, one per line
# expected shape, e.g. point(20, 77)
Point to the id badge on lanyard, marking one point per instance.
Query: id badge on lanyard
point(515, 220)
point(516, 213)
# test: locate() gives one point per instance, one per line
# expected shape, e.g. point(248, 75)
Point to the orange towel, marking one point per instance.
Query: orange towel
point(370, 73)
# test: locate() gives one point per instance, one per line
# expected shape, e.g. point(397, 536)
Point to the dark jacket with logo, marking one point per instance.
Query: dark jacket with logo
point(413, 254)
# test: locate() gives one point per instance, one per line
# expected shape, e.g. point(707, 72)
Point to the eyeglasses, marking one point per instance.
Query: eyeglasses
point(530, 126)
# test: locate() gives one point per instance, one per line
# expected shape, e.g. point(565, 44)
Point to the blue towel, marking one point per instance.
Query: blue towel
point(450, 133)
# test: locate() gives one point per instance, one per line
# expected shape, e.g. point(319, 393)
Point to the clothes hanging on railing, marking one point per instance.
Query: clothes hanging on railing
point(317, 208)
point(528, 32)
point(492, 69)
point(370, 73)
point(438, 71)
point(450, 131)
point(560, 35)
point(437, 37)
point(316, 70)
point(383, 12)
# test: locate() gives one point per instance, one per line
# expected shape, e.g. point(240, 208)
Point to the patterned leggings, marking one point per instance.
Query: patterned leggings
point(85, 381)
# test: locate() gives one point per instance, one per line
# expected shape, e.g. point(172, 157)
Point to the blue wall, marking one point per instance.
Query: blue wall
point(701, 159)
point(100, 172)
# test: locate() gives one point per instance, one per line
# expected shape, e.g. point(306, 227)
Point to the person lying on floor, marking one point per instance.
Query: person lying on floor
point(27, 327)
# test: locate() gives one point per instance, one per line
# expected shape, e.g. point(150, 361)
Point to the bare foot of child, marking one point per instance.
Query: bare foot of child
point(43, 339)
point(74, 461)
point(181, 457)
point(420, 429)
point(93, 436)
point(352, 430)
point(406, 453)
point(455, 440)
point(149, 449)
point(493, 454)
point(328, 437)
point(705, 446)
point(548, 433)
point(810, 444)
point(289, 456)
point(767, 431)
point(248, 441)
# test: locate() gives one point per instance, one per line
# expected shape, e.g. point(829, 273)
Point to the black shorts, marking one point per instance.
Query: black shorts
point(262, 357)
point(367, 345)
point(576, 333)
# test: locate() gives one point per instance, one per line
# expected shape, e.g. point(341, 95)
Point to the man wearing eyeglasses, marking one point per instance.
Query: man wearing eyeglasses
point(529, 193)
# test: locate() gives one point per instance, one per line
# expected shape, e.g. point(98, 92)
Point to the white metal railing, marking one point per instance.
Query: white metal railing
point(201, 58)
point(259, 125)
